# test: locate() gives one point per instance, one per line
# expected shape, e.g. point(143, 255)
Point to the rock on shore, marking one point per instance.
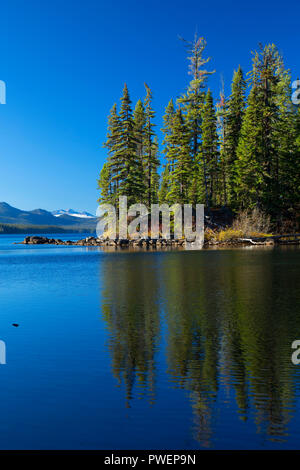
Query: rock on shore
point(93, 241)
point(155, 243)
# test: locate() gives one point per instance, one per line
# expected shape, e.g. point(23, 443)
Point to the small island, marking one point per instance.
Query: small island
point(268, 240)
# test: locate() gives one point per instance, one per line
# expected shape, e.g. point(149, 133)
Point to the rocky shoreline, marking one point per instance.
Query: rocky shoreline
point(93, 241)
point(151, 243)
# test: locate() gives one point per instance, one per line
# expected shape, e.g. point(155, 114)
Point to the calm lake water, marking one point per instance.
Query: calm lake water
point(162, 350)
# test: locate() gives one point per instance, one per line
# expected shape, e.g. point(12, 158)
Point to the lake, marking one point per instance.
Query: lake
point(148, 350)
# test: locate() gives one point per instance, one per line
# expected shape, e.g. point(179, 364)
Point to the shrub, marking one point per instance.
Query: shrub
point(209, 235)
point(252, 222)
point(229, 234)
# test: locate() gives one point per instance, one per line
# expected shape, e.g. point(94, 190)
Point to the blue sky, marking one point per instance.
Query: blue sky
point(65, 63)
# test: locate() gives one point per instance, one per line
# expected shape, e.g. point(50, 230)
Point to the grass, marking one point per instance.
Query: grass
point(231, 234)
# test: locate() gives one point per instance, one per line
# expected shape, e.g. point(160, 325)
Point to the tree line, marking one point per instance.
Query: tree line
point(241, 152)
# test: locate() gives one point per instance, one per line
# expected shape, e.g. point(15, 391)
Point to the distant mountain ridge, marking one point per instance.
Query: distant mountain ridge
point(12, 215)
point(72, 213)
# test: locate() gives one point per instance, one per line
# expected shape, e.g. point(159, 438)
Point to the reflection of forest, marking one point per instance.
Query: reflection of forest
point(130, 308)
point(231, 317)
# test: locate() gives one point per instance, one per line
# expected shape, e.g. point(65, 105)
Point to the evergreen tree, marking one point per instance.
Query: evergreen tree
point(267, 137)
point(248, 168)
point(155, 178)
point(113, 164)
point(168, 132)
point(196, 193)
point(245, 155)
point(180, 157)
point(123, 174)
point(104, 184)
point(221, 107)
point(132, 181)
point(151, 162)
point(193, 100)
point(139, 128)
point(232, 130)
point(193, 104)
point(209, 152)
point(165, 185)
point(167, 120)
point(286, 178)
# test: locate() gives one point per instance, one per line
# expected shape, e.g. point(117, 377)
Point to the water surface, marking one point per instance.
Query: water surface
point(164, 350)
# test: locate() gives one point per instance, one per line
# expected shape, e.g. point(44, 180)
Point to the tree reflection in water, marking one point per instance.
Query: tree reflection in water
point(230, 318)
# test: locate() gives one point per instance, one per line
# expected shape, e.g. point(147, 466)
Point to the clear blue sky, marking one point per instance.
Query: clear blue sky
point(65, 63)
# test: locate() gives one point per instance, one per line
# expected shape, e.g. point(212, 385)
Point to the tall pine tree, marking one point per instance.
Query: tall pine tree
point(180, 157)
point(234, 115)
point(151, 162)
point(132, 182)
point(193, 99)
point(113, 166)
point(264, 152)
point(209, 153)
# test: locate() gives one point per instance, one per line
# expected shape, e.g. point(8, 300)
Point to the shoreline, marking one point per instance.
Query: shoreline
point(291, 239)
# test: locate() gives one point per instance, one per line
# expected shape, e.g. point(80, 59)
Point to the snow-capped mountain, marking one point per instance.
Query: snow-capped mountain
point(71, 212)
point(40, 217)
